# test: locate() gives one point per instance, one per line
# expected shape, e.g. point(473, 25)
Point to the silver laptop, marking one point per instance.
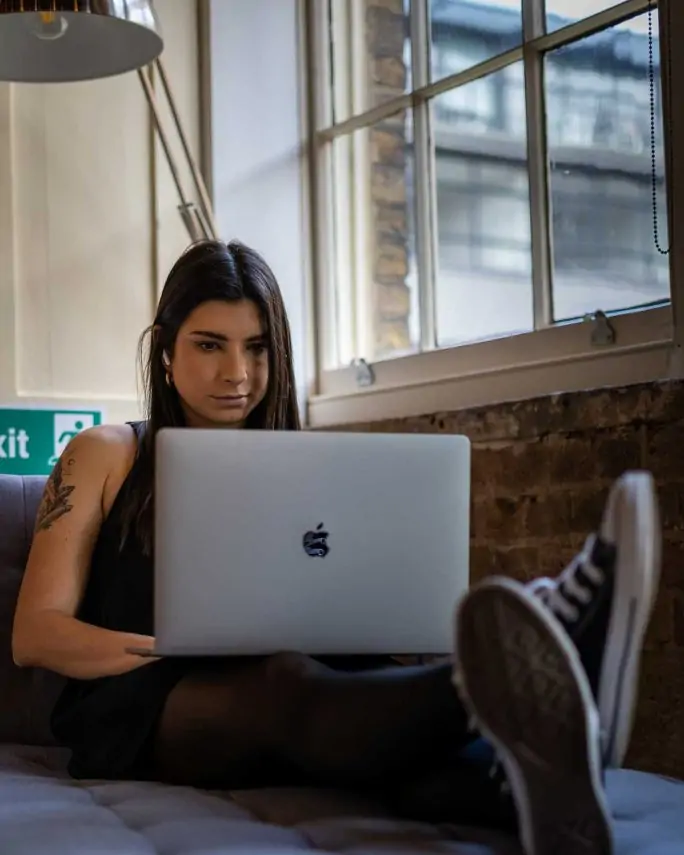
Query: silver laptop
point(324, 543)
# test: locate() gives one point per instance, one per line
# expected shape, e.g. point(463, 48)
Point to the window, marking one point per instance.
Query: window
point(490, 186)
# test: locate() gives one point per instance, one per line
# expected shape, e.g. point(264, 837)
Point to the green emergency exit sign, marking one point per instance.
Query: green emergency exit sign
point(31, 440)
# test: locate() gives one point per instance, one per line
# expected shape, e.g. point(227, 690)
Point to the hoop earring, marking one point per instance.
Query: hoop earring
point(169, 379)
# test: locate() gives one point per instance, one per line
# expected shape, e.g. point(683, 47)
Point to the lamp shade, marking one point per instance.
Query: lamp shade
point(58, 41)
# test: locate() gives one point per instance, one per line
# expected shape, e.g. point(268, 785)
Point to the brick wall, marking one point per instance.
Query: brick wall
point(389, 214)
point(541, 471)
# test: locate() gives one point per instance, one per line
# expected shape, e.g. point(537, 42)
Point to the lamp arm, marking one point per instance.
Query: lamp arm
point(198, 224)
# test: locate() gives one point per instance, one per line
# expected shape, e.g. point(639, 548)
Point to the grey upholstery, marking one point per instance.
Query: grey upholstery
point(43, 812)
point(27, 695)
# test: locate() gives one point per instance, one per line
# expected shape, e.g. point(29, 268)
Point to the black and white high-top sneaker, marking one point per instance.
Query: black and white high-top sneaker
point(604, 600)
point(520, 677)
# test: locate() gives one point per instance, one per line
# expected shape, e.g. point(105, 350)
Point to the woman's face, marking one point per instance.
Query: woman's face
point(219, 365)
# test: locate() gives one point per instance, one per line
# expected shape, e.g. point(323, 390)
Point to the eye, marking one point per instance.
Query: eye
point(207, 346)
point(258, 348)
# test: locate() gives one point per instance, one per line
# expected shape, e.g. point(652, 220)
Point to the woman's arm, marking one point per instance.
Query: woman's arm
point(46, 632)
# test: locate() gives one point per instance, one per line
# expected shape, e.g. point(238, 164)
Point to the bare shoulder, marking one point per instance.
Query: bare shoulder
point(96, 462)
point(103, 449)
point(110, 439)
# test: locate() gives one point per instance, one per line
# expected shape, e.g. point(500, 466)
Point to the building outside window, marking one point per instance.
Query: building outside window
point(487, 170)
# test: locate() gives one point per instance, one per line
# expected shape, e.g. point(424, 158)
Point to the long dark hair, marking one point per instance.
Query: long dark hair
point(209, 270)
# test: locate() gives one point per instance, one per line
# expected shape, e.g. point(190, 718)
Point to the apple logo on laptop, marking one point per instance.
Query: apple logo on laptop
point(316, 542)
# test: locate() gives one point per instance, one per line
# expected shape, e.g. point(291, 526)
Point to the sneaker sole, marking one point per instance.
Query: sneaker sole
point(522, 681)
point(637, 577)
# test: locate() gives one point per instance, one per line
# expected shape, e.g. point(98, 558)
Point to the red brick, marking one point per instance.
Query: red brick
point(486, 471)
point(547, 515)
point(615, 454)
point(499, 560)
point(675, 602)
point(499, 519)
point(385, 30)
point(664, 402)
point(671, 503)
point(568, 413)
point(570, 460)
point(554, 557)
point(515, 467)
point(586, 510)
point(666, 451)
point(658, 739)
point(673, 564)
point(662, 628)
point(580, 460)
point(541, 472)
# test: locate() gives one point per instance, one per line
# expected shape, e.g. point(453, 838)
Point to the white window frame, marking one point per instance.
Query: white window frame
point(553, 358)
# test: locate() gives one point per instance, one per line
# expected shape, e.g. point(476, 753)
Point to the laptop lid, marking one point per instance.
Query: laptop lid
point(324, 543)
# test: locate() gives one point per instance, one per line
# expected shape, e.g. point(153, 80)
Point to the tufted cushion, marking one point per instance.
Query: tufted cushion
point(44, 813)
point(26, 695)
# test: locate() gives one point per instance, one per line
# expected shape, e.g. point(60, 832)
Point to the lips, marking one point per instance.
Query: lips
point(234, 400)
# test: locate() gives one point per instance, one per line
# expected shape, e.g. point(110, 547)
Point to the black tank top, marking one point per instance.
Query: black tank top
point(108, 721)
point(120, 591)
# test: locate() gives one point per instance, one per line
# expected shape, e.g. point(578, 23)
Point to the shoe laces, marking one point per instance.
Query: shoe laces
point(575, 587)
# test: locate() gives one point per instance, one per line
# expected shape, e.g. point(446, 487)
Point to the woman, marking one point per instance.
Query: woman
point(220, 356)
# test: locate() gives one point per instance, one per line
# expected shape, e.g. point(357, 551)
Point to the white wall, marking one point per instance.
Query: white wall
point(88, 219)
point(88, 227)
point(257, 134)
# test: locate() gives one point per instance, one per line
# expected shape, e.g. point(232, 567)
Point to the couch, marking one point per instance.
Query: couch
point(44, 812)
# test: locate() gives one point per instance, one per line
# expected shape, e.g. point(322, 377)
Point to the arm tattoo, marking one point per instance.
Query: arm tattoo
point(55, 503)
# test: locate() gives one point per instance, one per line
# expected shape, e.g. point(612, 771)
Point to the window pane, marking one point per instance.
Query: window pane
point(370, 54)
point(465, 33)
point(599, 130)
point(484, 276)
point(561, 13)
point(375, 280)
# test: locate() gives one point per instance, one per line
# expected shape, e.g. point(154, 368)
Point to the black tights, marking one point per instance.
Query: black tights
point(292, 720)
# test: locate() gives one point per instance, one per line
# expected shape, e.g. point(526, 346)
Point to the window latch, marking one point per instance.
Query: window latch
point(365, 376)
point(602, 332)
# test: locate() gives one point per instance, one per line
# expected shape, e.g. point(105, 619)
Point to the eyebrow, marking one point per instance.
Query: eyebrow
point(220, 337)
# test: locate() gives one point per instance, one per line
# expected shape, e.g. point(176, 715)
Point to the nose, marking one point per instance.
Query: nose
point(234, 365)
